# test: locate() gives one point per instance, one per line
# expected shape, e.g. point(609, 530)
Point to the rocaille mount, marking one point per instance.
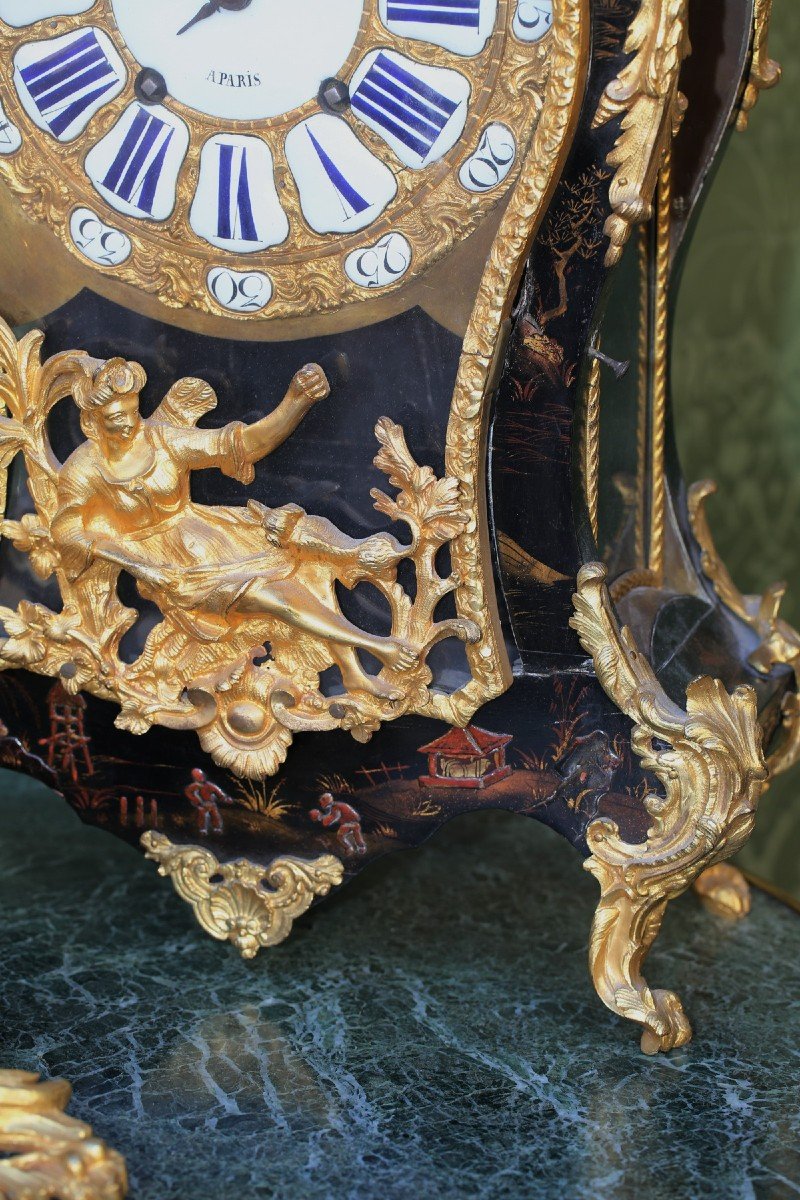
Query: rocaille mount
point(339, 488)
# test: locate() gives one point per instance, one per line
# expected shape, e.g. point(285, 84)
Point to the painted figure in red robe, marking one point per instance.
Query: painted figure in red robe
point(205, 797)
point(332, 813)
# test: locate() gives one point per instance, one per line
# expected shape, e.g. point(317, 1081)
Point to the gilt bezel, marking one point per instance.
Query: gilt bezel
point(432, 210)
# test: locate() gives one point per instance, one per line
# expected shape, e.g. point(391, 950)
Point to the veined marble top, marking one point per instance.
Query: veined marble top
point(433, 1032)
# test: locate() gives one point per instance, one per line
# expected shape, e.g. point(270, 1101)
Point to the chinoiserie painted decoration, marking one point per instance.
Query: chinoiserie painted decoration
point(334, 505)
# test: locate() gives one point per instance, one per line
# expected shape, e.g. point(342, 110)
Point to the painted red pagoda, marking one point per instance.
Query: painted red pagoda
point(466, 758)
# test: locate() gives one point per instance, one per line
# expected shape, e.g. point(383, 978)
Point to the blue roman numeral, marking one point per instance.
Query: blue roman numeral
point(466, 13)
point(403, 104)
point(135, 172)
point(234, 206)
point(350, 198)
point(65, 83)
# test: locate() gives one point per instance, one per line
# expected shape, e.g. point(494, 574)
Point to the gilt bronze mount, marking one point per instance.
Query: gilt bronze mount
point(397, 531)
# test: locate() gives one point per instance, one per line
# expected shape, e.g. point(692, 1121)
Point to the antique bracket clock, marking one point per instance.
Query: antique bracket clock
point(331, 510)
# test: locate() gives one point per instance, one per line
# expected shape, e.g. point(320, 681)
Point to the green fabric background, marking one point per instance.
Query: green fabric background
point(736, 379)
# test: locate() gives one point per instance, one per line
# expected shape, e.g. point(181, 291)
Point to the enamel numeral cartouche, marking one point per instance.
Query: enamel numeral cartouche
point(263, 160)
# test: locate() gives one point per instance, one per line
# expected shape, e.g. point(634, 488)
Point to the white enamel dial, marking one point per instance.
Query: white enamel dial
point(10, 136)
point(342, 186)
point(461, 26)
point(63, 81)
point(268, 158)
point(19, 13)
point(419, 111)
point(236, 205)
point(135, 166)
point(253, 63)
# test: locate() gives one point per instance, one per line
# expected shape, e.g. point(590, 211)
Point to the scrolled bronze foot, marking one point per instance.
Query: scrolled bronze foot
point(709, 761)
point(724, 891)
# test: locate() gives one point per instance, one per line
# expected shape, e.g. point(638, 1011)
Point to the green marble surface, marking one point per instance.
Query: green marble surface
point(429, 1032)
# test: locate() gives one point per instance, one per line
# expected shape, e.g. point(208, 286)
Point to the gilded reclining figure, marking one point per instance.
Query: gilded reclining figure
point(247, 593)
point(207, 566)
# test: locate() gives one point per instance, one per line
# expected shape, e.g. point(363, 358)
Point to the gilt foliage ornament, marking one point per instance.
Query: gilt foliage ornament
point(780, 643)
point(765, 72)
point(241, 902)
point(247, 593)
point(709, 761)
point(47, 1155)
point(724, 890)
point(645, 94)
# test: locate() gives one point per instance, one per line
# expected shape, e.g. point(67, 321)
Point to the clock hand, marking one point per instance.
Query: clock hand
point(207, 10)
point(214, 6)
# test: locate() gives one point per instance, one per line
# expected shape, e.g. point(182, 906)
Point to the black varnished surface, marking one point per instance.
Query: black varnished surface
point(531, 456)
point(546, 717)
point(405, 368)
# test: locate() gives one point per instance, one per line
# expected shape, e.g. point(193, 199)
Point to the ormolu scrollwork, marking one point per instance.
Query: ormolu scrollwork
point(47, 1155)
point(764, 72)
point(780, 643)
point(724, 890)
point(241, 902)
point(247, 594)
point(645, 94)
point(709, 761)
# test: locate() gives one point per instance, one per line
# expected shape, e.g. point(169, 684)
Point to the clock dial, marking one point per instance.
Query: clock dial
point(63, 81)
point(236, 205)
point(135, 166)
point(463, 26)
point(419, 111)
point(259, 160)
point(240, 64)
point(10, 136)
point(100, 243)
point(491, 161)
point(19, 13)
point(380, 265)
point(532, 19)
point(342, 185)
